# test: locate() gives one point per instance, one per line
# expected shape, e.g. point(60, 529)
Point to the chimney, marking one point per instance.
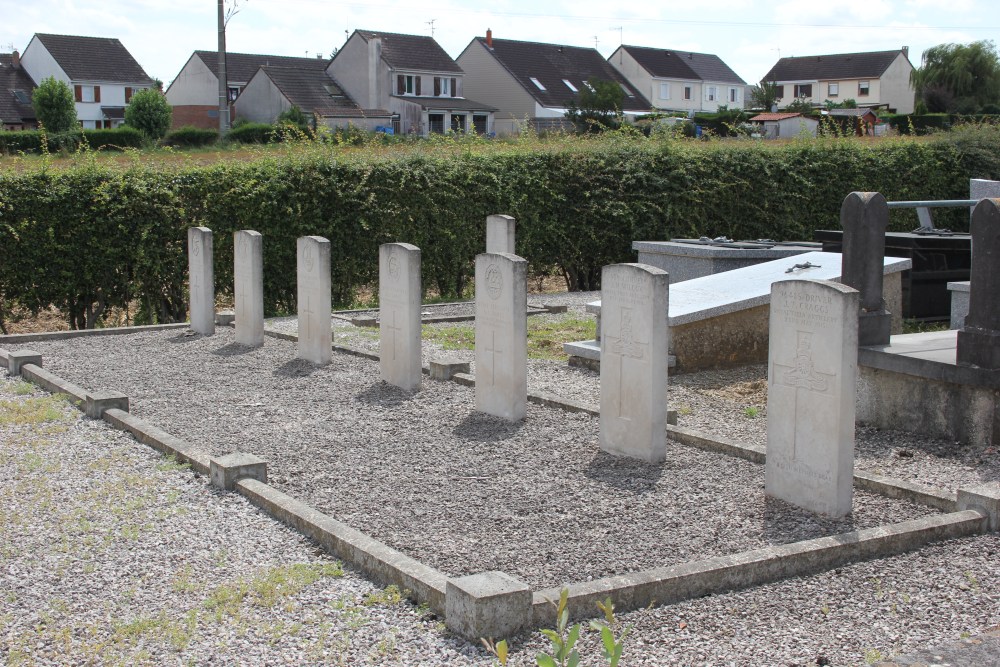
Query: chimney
point(15, 59)
point(489, 38)
point(906, 52)
point(374, 57)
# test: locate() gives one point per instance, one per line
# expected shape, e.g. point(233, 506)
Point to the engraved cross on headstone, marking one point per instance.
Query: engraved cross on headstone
point(803, 376)
point(392, 326)
point(624, 346)
point(492, 350)
point(307, 313)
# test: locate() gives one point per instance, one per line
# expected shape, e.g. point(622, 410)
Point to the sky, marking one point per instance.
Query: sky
point(749, 35)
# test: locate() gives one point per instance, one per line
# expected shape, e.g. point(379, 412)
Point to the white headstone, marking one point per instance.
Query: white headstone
point(502, 335)
point(980, 188)
point(812, 370)
point(313, 278)
point(399, 294)
point(201, 279)
point(634, 361)
point(500, 234)
point(248, 274)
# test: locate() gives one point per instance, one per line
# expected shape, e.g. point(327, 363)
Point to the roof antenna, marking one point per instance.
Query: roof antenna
point(595, 41)
point(431, 24)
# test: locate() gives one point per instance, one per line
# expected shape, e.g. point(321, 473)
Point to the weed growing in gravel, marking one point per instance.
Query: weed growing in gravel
point(170, 464)
point(872, 655)
point(751, 411)
point(390, 596)
point(684, 410)
point(971, 578)
point(32, 411)
point(546, 335)
point(22, 388)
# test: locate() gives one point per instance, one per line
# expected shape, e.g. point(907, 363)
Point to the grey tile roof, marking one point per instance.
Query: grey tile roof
point(11, 79)
point(830, 67)
point(94, 59)
point(683, 65)
point(240, 67)
point(550, 64)
point(456, 103)
point(412, 52)
point(313, 91)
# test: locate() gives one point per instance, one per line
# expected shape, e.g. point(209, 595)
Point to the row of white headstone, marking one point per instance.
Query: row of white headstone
point(812, 356)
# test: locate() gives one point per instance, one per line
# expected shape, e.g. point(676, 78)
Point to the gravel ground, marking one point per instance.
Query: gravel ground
point(113, 555)
point(562, 512)
point(551, 506)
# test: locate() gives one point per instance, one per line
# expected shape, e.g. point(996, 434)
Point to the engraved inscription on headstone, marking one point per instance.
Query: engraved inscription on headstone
point(811, 393)
point(202, 280)
point(249, 287)
point(313, 279)
point(502, 335)
point(400, 294)
point(634, 345)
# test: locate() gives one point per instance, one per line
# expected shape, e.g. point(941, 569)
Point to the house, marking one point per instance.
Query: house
point(273, 90)
point(16, 111)
point(194, 93)
point(872, 79)
point(785, 125)
point(680, 80)
point(100, 70)
point(413, 78)
point(536, 83)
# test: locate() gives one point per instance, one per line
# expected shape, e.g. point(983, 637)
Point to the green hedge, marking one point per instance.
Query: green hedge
point(101, 235)
point(252, 133)
point(931, 122)
point(31, 141)
point(190, 136)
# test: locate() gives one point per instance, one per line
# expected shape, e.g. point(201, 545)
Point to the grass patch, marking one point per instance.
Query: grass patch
point(22, 388)
point(545, 335)
point(915, 326)
point(33, 411)
point(269, 588)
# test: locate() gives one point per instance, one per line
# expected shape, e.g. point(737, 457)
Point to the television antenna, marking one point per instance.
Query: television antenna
point(431, 24)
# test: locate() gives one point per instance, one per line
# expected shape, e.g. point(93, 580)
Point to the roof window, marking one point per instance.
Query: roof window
point(22, 97)
point(569, 85)
point(538, 84)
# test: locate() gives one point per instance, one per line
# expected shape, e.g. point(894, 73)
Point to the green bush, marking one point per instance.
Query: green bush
point(190, 137)
point(30, 141)
point(99, 235)
point(117, 138)
point(251, 133)
point(149, 112)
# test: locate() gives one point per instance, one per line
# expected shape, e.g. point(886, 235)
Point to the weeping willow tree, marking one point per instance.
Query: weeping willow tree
point(958, 78)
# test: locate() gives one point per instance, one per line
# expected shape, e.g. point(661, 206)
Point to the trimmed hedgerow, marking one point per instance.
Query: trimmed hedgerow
point(189, 136)
point(32, 141)
point(99, 236)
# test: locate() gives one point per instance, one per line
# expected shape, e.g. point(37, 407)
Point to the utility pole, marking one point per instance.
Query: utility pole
point(223, 79)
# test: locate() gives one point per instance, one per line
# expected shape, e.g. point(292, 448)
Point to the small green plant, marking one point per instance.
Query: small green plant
point(498, 650)
point(564, 637)
point(751, 411)
point(872, 655)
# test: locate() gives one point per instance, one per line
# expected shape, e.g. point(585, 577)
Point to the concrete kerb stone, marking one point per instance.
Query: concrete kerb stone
point(53, 383)
point(984, 498)
point(226, 470)
point(378, 561)
point(445, 368)
point(664, 586)
point(17, 339)
point(488, 604)
point(225, 318)
point(96, 403)
point(159, 439)
point(20, 358)
point(4, 354)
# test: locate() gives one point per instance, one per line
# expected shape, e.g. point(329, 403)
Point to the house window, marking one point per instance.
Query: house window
point(538, 84)
point(780, 92)
point(734, 95)
point(664, 91)
point(435, 121)
point(803, 90)
point(589, 87)
point(87, 93)
point(832, 89)
point(628, 91)
point(687, 92)
point(570, 85)
point(457, 123)
point(22, 97)
point(711, 93)
point(407, 84)
point(234, 92)
point(862, 88)
point(481, 123)
point(445, 86)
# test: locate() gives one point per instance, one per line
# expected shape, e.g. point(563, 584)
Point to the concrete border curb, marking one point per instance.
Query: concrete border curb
point(669, 585)
point(159, 439)
point(377, 560)
point(15, 339)
point(53, 383)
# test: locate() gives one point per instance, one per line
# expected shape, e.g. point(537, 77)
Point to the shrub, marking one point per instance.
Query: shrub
point(251, 133)
point(149, 112)
point(190, 136)
point(54, 105)
point(30, 141)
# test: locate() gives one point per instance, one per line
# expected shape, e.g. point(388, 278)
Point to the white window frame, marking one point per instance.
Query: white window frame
point(409, 84)
point(833, 89)
point(867, 88)
point(797, 90)
point(734, 95)
point(445, 86)
point(538, 84)
point(664, 91)
point(711, 93)
point(87, 93)
point(570, 85)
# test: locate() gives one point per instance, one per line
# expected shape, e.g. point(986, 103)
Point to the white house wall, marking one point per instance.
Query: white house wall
point(261, 101)
point(196, 84)
point(896, 89)
point(350, 69)
point(489, 82)
point(40, 65)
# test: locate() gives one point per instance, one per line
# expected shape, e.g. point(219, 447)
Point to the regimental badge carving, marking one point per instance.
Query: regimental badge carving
point(393, 267)
point(196, 245)
point(802, 374)
point(494, 281)
point(307, 257)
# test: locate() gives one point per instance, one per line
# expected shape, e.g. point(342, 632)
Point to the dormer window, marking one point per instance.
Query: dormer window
point(538, 84)
point(570, 85)
point(234, 92)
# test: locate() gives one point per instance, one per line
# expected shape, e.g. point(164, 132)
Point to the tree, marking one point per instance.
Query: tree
point(764, 95)
point(959, 78)
point(149, 112)
point(799, 105)
point(54, 105)
point(600, 104)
